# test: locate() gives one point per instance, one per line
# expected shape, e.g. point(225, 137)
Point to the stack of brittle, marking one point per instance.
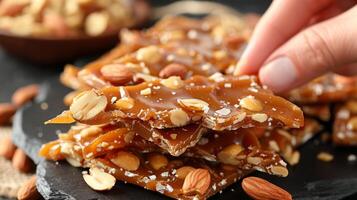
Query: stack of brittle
point(162, 111)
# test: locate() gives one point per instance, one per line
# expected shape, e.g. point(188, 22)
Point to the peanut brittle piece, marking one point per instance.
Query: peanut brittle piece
point(178, 178)
point(328, 88)
point(345, 125)
point(285, 141)
point(198, 47)
point(174, 140)
point(219, 102)
point(319, 111)
point(240, 148)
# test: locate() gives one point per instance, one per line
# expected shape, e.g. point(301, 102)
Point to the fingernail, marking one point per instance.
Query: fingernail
point(279, 74)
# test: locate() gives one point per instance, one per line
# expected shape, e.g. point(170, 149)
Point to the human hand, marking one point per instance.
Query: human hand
point(298, 40)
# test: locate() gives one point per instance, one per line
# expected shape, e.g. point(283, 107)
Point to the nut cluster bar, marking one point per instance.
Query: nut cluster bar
point(219, 103)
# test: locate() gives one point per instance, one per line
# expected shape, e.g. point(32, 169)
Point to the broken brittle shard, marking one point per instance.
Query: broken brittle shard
point(162, 111)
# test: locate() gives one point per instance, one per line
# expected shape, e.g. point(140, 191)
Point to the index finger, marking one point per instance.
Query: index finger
point(283, 19)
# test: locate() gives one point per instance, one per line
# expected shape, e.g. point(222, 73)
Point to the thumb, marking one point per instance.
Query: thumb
point(312, 52)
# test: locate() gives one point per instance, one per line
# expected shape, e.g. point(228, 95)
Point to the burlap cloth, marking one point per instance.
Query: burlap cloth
point(10, 179)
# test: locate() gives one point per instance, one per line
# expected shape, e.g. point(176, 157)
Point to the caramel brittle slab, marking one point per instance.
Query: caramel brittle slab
point(345, 124)
point(319, 111)
point(199, 47)
point(178, 178)
point(285, 141)
point(220, 103)
point(328, 88)
point(174, 140)
point(240, 148)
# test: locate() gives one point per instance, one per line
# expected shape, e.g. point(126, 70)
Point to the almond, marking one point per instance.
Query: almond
point(7, 110)
point(250, 103)
point(99, 180)
point(25, 94)
point(125, 103)
point(179, 117)
point(7, 148)
point(198, 181)
point(87, 105)
point(97, 23)
point(182, 172)
point(126, 160)
point(21, 162)
point(28, 191)
point(173, 69)
point(260, 189)
point(117, 74)
point(193, 104)
point(173, 82)
point(229, 154)
point(150, 54)
point(157, 161)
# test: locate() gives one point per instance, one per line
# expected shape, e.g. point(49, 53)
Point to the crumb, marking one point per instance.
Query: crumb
point(352, 158)
point(325, 156)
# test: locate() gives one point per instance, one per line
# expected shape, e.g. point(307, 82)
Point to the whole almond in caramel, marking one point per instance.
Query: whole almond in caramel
point(117, 74)
point(173, 69)
point(198, 181)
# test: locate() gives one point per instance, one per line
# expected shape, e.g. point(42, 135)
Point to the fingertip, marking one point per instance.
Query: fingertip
point(279, 75)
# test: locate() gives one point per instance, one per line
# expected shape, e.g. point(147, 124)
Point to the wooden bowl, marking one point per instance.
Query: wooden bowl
point(51, 50)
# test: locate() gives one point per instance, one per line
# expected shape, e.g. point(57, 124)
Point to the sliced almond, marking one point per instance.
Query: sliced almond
point(126, 160)
point(229, 154)
point(125, 103)
point(145, 92)
point(150, 54)
point(179, 117)
point(88, 105)
point(173, 82)
point(198, 181)
point(251, 103)
point(97, 23)
point(182, 172)
point(325, 156)
point(99, 180)
point(157, 161)
point(260, 117)
point(193, 104)
point(279, 171)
